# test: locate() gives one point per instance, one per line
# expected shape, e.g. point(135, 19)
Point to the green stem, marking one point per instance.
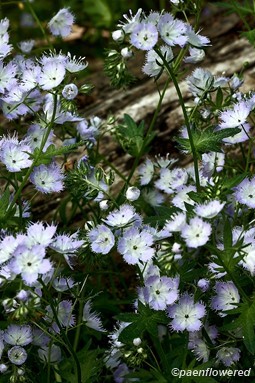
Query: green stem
point(137, 159)
point(28, 173)
point(31, 9)
point(80, 313)
point(63, 334)
point(172, 75)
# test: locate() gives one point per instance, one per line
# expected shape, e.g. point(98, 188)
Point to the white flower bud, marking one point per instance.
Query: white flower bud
point(132, 193)
point(118, 35)
point(126, 53)
point(103, 204)
point(137, 341)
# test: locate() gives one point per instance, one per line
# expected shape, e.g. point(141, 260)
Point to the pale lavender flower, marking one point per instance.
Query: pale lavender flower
point(212, 162)
point(244, 193)
point(50, 354)
point(120, 373)
point(153, 197)
point(200, 81)
point(7, 76)
point(227, 297)
point(35, 136)
point(91, 318)
point(123, 216)
point(61, 23)
point(3, 368)
point(74, 64)
point(40, 338)
point(18, 335)
point(196, 233)
point(209, 209)
point(101, 239)
point(195, 39)
point(5, 47)
point(235, 117)
point(7, 246)
point(198, 347)
point(87, 131)
point(68, 245)
point(160, 291)
point(172, 31)
point(30, 77)
point(182, 196)
point(145, 171)
point(171, 180)
point(195, 55)
point(186, 314)
point(135, 246)
point(242, 136)
point(47, 178)
point(65, 315)
point(52, 74)
point(53, 108)
point(70, 91)
point(131, 21)
point(144, 36)
point(17, 355)
point(63, 283)
point(30, 263)
point(175, 224)
point(154, 63)
point(26, 46)
point(38, 234)
point(4, 25)
point(228, 355)
point(15, 155)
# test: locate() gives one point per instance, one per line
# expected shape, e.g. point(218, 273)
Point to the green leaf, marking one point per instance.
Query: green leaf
point(4, 203)
point(145, 320)
point(234, 181)
point(207, 140)
point(131, 136)
point(227, 235)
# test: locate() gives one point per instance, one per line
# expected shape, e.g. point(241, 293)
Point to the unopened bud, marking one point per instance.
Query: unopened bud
point(118, 35)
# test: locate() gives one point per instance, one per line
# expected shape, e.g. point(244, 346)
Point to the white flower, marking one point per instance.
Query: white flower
point(209, 209)
point(52, 74)
point(91, 318)
point(196, 233)
point(61, 23)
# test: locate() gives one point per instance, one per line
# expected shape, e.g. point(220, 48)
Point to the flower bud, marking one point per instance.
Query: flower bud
point(126, 53)
point(132, 193)
point(118, 35)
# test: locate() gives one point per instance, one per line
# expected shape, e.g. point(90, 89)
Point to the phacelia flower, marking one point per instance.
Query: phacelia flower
point(172, 31)
point(235, 117)
point(195, 39)
point(144, 36)
point(123, 216)
point(38, 234)
point(15, 155)
point(226, 297)
point(160, 291)
point(18, 335)
point(209, 209)
point(136, 246)
point(101, 239)
point(154, 63)
point(186, 314)
point(145, 171)
point(17, 355)
point(30, 262)
point(196, 233)
point(228, 355)
point(171, 180)
point(34, 136)
point(64, 312)
point(61, 23)
point(52, 74)
point(200, 81)
point(68, 245)
point(245, 192)
point(47, 178)
point(91, 318)
point(50, 354)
